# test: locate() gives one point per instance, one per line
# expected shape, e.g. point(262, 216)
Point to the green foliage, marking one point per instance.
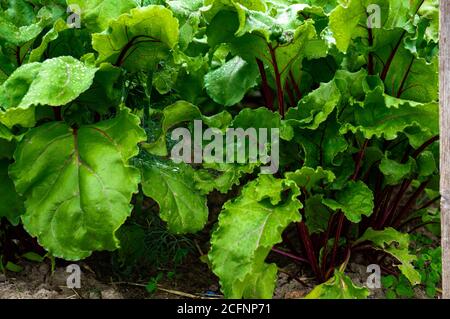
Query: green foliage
point(339, 286)
point(86, 118)
point(258, 217)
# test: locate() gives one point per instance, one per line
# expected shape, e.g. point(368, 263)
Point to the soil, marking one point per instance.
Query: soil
point(37, 281)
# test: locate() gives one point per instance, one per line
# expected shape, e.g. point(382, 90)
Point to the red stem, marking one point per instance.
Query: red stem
point(19, 60)
point(280, 93)
point(388, 64)
point(392, 208)
point(370, 64)
point(409, 204)
point(425, 145)
point(336, 239)
point(359, 160)
point(290, 94)
point(295, 85)
point(405, 77)
point(289, 255)
point(267, 92)
point(57, 113)
point(307, 243)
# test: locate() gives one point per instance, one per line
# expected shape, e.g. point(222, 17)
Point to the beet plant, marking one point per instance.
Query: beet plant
point(90, 102)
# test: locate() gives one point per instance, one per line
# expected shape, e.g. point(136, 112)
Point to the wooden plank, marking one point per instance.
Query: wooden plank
point(445, 143)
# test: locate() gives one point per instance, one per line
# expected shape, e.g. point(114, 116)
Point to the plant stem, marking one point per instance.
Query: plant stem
point(424, 146)
point(267, 92)
point(295, 85)
point(57, 113)
point(336, 239)
point(359, 160)
point(420, 226)
point(370, 63)
point(290, 94)
point(18, 58)
point(307, 243)
point(388, 64)
point(409, 204)
point(325, 244)
point(405, 77)
point(289, 255)
point(430, 202)
point(280, 93)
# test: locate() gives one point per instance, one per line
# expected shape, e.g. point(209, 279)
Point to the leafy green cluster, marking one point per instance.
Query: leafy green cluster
point(86, 117)
point(429, 266)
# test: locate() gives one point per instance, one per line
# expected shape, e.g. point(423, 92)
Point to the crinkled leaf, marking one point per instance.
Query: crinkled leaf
point(315, 108)
point(221, 177)
point(317, 215)
point(396, 244)
point(97, 14)
point(330, 141)
point(134, 43)
point(172, 115)
point(394, 172)
point(53, 34)
point(29, 86)
point(77, 183)
point(386, 116)
point(340, 286)
point(172, 186)
point(311, 179)
point(228, 84)
point(261, 118)
point(426, 164)
point(249, 226)
point(355, 200)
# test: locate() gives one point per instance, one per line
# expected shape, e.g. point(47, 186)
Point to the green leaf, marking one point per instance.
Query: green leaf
point(317, 214)
point(228, 84)
point(104, 92)
point(134, 43)
point(314, 109)
point(13, 267)
point(172, 115)
point(20, 24)
point(31, 256)
point(426, 164)
point(386, 116)
point(29, 86)
point(78, 183)
point(309, 179)
point(388, 281)
point(220, 177)
point(189, 16)
point(394, 172)
point(172, 186)
point(384, 240)
point(97, 14)
point(330, 141)
point(355, 200)
point(340, 286)
point(249, 226)
point(344, 20)
point(53, 34)
point(262, 118)
point(11, 204)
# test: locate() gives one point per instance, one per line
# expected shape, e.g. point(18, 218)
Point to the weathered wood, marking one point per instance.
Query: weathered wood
point(445, 143)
